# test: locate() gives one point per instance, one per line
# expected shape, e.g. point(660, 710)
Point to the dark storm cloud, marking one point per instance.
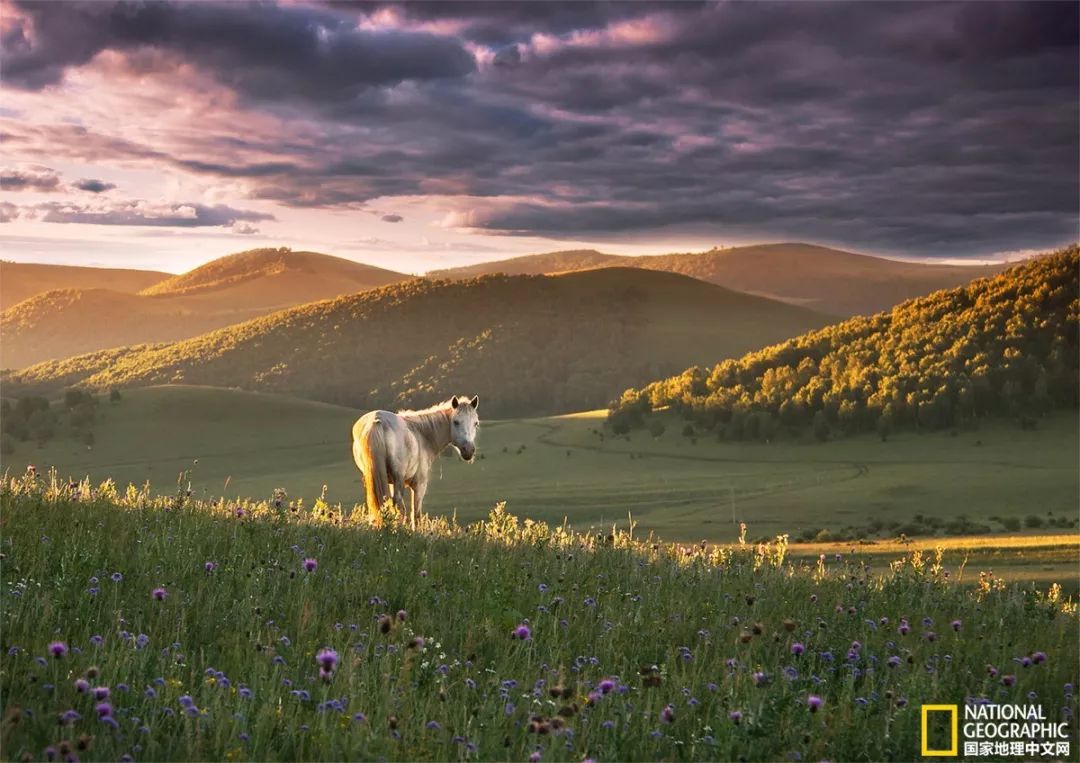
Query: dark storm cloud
point(141, 213)
point(263, 51)
point(92, 185)
point(946, 128)
point(39, 179)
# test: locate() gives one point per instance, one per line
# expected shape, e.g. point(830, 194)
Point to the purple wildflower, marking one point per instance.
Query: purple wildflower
point(101, 692)
point(210, 567)
point(814, 702)
point(955, 625)
point(522, 632)
point(1038, 657)
point(103, 709)
point(58, 649)
point(667, 715)
point(82, 685)
point(735, 716)
point(797, 649)
point(159, 593)
point(310, 564)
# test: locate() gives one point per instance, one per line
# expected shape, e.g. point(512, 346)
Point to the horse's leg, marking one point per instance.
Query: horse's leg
point(418, 492)
point(399, 496)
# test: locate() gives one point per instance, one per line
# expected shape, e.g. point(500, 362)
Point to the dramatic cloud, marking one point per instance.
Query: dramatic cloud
point(94, 186)
point(943, 129)
point(143, 213)
point(39, 179)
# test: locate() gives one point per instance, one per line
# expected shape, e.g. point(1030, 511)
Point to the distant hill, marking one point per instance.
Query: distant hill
point(1001, 346)
point(19, 280)
point(61, 323)
point(827, 280)
point(527, 344)
point(276, 278)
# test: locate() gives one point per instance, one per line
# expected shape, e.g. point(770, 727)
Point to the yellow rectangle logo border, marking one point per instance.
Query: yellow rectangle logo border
point(953, 710)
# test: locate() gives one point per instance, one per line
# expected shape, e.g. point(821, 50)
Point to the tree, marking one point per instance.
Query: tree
point(884, 427)
point(114, 395)
point(657, 428)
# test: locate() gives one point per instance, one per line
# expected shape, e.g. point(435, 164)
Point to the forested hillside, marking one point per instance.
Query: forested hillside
point(527, 345)
point(1004, 346)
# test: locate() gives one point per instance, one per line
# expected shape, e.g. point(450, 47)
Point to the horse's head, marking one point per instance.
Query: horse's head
point(464, 422)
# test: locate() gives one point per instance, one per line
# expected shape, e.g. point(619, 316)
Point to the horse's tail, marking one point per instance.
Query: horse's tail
point(376, 482)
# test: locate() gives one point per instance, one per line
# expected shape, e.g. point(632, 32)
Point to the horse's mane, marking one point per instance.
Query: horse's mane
point(430, 423)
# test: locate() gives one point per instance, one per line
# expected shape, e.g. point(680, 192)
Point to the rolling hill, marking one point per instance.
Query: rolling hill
point(20, 280)
point(61, 323)
point(826, 280)
point(1001, 346)
point(526, 344)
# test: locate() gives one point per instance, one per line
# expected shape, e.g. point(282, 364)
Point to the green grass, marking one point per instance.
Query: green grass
point(596, 610)
point(249, 444)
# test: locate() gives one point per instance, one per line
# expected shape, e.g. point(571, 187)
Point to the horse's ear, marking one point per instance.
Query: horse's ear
point(454, 402)
point(475, 402)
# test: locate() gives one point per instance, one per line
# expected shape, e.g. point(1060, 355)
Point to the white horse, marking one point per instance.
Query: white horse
point(397, 449)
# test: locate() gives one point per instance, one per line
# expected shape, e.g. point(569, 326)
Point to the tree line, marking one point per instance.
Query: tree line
point(1001, 346)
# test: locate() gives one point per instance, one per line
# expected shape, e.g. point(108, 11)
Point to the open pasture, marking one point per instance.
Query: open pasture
point(248, 445)
point(161, 629)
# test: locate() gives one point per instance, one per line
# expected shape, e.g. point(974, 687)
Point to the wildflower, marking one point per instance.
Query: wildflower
point(1038, 657)
point(209, 567)
point(417, 642)
point(117, 577)
point(930, 636)
point(82, 685)
point(97, 640)
point(521, 632)
point(327, 660)
point(432, 725)
point(992, 671)
point(760, 679)
point(901, 702)
point(814, 702)
point(1008, 680)
point(185, 700)
point(797, 649)
point(310, 564)
point(159, 593)
point(69, 717)
point(735, 716)
point(903, 628)
point(955, 625)
point(101, 692)
point(384, 624)
point(58, 649)
point(103, 709)
point(893, 661)
point(402, 615)
point(535, 756)
point(606, 686)
point(1025, 662)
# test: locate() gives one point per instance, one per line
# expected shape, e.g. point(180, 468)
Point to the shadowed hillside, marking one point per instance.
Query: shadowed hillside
point(59, 324)
point(19, 280)
point(1003, 346)
point(527, 344)
point(827, 280)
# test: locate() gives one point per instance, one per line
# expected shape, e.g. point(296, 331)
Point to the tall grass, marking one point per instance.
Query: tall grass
point(207, 622)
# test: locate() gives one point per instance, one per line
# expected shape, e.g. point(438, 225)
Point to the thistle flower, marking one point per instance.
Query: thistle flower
point(82, 685)
point(667, 715)
point(735, 716)
point(1008, 680)
point(1038, 657)
point(797, 649)
point(58, 649)
point(606, 686)
point(101, 692)
point(402, 615)
point(893, 661)
point(955, 625)
point(209, 567)
point(311, 564)
point(327, 660)
point(103, 709)
point(159, 593)
point(521, 632)
point(760, 679)
point(814, 702)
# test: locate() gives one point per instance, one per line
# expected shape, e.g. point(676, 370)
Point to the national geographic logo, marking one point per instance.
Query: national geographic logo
point(992, 731)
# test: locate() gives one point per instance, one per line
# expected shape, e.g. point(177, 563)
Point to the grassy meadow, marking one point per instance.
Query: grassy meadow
point(141, 628)
point(239, 444)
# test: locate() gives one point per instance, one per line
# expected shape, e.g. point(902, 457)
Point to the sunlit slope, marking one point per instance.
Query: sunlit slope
point(61, 323)
point(19, 281)
point(526, 345)
point(828, 280)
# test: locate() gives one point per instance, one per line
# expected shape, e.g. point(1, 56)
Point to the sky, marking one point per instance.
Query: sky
point(426, 135)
